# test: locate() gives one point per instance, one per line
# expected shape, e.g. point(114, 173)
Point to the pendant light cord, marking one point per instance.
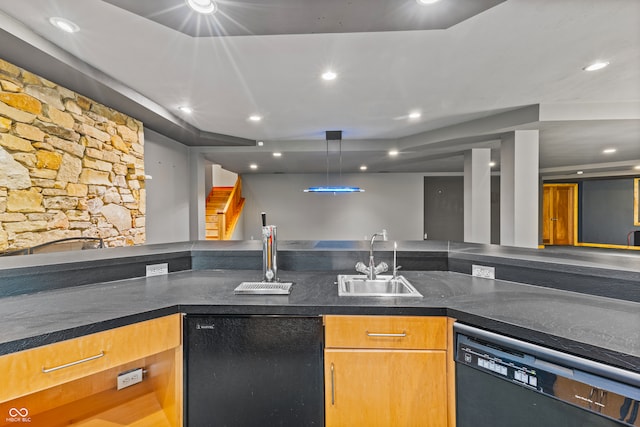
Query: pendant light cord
point(327, 161)
point(340, 161)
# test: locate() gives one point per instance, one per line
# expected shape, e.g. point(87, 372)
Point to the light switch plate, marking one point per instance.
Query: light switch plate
point(157, 269)
point(483, 271)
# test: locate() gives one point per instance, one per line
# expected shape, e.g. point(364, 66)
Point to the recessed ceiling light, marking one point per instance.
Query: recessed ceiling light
point(393, 152)
point(255, 118)
point(609, 150)
point(580, 172)
point(253, 166)
point(64, 24)
point(415, 115)
point(276, 154)
point(260, 143)
point(329, 75)
point(425, 2)
point(492, 164)
point(363, 167)
point(596, 66)
point(186, 109)
point(203, 6)
point(637, 167)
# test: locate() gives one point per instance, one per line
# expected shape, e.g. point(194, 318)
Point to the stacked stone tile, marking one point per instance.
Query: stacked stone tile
point(69, 166)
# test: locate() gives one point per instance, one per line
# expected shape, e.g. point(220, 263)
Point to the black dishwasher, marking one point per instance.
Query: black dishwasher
point(504, 382)
point(254, 371)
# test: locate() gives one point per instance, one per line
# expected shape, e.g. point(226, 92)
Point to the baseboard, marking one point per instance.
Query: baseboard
point(607, 246)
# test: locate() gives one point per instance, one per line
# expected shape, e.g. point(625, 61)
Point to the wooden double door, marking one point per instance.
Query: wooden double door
point(559, 214)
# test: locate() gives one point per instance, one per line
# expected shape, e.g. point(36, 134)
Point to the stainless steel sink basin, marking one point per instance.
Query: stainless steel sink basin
point(381, 286)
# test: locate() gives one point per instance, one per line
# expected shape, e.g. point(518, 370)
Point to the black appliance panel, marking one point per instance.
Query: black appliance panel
point(503, 382)
point(246, 371)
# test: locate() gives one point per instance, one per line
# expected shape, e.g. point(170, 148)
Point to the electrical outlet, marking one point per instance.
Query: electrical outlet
point(129, 378)
point(157, 269)
point(483, 271)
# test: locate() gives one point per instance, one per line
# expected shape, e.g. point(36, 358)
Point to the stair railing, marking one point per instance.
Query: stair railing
point(231, 209)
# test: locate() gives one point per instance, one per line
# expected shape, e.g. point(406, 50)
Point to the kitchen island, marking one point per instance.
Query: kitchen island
point(203, 276)
point(67, 294)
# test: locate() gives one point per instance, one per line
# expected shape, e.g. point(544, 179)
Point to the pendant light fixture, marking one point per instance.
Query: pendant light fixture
point(334, 135)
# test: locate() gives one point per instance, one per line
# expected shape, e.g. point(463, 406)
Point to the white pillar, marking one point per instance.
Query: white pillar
point(197, 196)
point(477, 196)
point(519, 211)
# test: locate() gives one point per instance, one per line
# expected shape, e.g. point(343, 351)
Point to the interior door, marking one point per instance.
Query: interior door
point(559, 206)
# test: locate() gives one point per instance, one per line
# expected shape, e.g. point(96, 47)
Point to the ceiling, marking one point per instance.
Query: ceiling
point(474, 69)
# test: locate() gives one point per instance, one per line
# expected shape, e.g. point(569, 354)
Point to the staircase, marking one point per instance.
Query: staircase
point(223, 209)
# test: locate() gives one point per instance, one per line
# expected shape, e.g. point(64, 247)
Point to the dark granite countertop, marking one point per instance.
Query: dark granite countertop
point(613, 262)
point(612, 274)
point(595, 327)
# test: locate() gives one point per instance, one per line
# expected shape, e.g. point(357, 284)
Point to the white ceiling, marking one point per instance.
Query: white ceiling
point(516, 65)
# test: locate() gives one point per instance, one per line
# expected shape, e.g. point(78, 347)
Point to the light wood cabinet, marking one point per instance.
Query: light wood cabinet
point(74, 382)
point(386, 370)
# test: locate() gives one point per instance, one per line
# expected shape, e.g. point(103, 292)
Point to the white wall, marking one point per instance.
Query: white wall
point(167, 213)
point(222, 177)
point(174, 199)
point(391, 201)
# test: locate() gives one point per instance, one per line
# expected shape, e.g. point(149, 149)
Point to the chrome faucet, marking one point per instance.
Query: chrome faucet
point(373, 270)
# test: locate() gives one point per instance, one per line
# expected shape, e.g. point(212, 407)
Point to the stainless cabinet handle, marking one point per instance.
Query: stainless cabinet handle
point(333, 388)
point(402, 335)
point(77, 362)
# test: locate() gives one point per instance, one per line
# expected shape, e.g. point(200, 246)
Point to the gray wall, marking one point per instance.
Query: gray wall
point(444, 208)
point(606, 211)
point(390, 201)
point(400, 203)
point(167, 217)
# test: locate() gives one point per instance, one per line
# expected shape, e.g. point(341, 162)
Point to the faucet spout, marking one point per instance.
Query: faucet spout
point(372, 270)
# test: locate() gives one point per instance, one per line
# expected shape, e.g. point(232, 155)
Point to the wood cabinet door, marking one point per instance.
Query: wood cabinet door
point(400, 388)
point(558, 214)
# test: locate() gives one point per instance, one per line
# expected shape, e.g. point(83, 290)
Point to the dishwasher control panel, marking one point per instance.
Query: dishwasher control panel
point(502, 364)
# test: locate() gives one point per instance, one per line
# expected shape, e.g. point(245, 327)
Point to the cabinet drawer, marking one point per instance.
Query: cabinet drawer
point(43, 367)
point(386, 332)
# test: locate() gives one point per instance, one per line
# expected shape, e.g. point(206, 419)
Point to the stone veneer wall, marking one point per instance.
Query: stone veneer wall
point(69, 166)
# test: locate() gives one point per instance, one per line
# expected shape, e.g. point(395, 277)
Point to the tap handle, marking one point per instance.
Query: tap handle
point(361, 268)
point(264, 218)
point(381, 268)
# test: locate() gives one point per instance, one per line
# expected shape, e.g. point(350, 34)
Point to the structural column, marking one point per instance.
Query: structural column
point(519, 211)
point(477, 196)
point(197, 195)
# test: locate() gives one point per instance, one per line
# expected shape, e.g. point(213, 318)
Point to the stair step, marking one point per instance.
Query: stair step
point(215, 204)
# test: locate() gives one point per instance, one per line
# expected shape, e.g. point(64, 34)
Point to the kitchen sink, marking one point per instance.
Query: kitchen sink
point(381, 286)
